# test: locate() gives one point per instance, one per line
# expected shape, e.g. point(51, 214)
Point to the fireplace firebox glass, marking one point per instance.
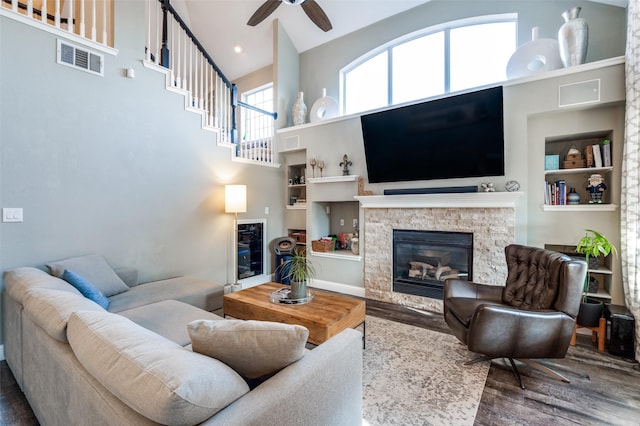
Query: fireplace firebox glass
point(423, 260)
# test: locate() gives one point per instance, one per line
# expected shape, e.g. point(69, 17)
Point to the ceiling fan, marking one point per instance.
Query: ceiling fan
point(310, 7)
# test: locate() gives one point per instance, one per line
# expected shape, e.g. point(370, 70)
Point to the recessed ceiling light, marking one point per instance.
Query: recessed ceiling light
point(237, 49)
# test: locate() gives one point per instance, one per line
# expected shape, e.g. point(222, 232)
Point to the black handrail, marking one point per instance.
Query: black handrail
point(164, 61)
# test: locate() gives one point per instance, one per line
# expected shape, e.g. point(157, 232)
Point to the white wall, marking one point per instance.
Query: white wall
point(320, 67)
point(115, 166)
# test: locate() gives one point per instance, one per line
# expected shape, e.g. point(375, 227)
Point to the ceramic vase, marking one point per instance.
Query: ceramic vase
point(298, 290)
point(573, 38)
point(299, 110)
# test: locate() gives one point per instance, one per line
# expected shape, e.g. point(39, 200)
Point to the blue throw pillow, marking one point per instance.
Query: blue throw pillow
point(87, 289)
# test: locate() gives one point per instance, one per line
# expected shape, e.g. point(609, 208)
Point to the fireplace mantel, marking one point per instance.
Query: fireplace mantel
point(455, 200)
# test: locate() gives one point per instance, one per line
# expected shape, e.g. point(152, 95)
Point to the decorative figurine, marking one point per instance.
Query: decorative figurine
point(596, 188)
point(487, 187)
point(345, 165)
point(321, 166)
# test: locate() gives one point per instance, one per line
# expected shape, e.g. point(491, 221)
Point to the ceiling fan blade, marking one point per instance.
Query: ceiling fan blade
point(317, 15)
point(267, 8)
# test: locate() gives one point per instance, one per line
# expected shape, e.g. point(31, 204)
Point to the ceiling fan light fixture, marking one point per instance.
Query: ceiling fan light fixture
point(293, 1)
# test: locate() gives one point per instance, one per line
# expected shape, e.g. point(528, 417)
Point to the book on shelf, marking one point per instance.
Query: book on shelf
point(606, 153)
point(555, 193)
point(597, 157)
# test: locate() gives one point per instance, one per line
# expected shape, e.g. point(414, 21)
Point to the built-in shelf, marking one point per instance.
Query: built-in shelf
point(578, 170)
point(581, 208)
point(600, 294)
point(600, 270)
point(333, 179)
point(339, 254)
point(296, 207)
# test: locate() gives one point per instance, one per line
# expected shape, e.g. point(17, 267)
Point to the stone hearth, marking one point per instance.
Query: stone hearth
point(489, 216)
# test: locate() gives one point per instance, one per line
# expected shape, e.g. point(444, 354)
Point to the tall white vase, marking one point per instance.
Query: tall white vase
point(573, 38)
point(299, 110)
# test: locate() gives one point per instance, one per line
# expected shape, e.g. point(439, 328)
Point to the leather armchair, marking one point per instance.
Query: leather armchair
point(532, 316)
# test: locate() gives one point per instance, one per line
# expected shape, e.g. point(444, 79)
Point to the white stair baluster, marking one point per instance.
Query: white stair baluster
point(57, 13)
point(104, 22)
point(43, 15)
point(70, 23)
point(30, 8)
point(94, 24)
point(82, 24)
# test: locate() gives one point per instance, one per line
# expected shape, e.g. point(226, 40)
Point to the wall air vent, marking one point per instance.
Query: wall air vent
point(80, 58)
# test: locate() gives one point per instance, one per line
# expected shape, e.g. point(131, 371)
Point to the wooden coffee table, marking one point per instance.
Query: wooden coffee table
point(325, 315)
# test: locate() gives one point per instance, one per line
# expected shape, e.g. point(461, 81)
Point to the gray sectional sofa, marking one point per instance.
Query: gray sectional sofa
point(133, 363)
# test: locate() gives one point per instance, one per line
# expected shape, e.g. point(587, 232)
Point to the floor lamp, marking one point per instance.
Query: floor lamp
point(235, 201)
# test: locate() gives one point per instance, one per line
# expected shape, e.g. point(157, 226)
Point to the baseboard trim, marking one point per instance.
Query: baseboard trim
point(339, 288)
point(1, 352)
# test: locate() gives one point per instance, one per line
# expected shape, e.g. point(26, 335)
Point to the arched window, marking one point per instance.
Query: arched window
point(446, 58)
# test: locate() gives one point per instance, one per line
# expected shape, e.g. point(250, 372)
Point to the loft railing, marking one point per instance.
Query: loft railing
point(88, 19)
point(171, 44)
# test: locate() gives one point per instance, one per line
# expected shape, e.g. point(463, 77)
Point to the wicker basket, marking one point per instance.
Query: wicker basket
point(323, 245)
point(300, 237)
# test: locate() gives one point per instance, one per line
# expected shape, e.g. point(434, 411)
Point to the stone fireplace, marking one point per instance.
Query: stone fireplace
point(489, 217)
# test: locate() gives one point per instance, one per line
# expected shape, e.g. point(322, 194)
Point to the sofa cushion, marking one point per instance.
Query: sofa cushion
point(51, 309)
point(154, 376)
point(252, 348)
point(87, 289)
point(169, 319)
point(20, 281)
point(94, 269)
point(198, 292)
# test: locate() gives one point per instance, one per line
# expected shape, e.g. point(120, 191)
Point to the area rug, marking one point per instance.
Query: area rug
point(415, 376)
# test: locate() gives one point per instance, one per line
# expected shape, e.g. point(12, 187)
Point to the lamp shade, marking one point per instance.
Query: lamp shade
point(235, 198)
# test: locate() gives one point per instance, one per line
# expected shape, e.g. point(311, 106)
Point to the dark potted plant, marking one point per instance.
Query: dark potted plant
point(299, 270)
point(594, 245)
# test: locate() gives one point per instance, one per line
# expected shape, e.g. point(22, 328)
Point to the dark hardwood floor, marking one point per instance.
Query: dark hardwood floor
point(604, 389)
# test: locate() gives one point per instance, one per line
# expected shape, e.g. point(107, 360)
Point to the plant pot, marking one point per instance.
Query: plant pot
point(594, 262)
point(590, 313)
point(298, 290)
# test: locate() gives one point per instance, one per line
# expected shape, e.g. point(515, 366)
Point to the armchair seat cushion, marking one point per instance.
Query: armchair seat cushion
point(463, 308)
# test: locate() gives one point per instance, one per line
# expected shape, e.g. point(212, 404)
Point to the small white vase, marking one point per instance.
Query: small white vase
point(573, 38)
point(299, 110)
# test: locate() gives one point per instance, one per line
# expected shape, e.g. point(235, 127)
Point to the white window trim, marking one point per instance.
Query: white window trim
point(388, 46)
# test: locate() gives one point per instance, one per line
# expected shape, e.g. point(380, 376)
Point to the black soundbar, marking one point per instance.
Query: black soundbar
point(436, 190)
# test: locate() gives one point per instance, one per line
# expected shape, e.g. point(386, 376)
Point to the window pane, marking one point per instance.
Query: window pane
point(257, 126)
point(366, 86)
point(418, 68)
point(479, 54)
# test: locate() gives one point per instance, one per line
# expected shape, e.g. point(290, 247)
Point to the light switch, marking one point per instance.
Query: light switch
point(341, 222)
point(266, 210)
point(12, 214)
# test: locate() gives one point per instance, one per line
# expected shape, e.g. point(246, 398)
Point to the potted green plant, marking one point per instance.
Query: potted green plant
point(594, 245)
point(299, 270)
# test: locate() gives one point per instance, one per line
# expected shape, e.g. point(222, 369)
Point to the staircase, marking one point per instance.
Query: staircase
point(171, 48)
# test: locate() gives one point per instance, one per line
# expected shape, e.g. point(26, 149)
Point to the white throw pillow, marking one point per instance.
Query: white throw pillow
point(92, 268)
point(252, 348)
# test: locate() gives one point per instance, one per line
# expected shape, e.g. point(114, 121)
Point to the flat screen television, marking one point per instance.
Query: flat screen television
point(459, 136)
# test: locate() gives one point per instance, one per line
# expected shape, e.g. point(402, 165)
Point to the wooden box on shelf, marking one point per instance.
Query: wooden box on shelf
point(299, 237)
